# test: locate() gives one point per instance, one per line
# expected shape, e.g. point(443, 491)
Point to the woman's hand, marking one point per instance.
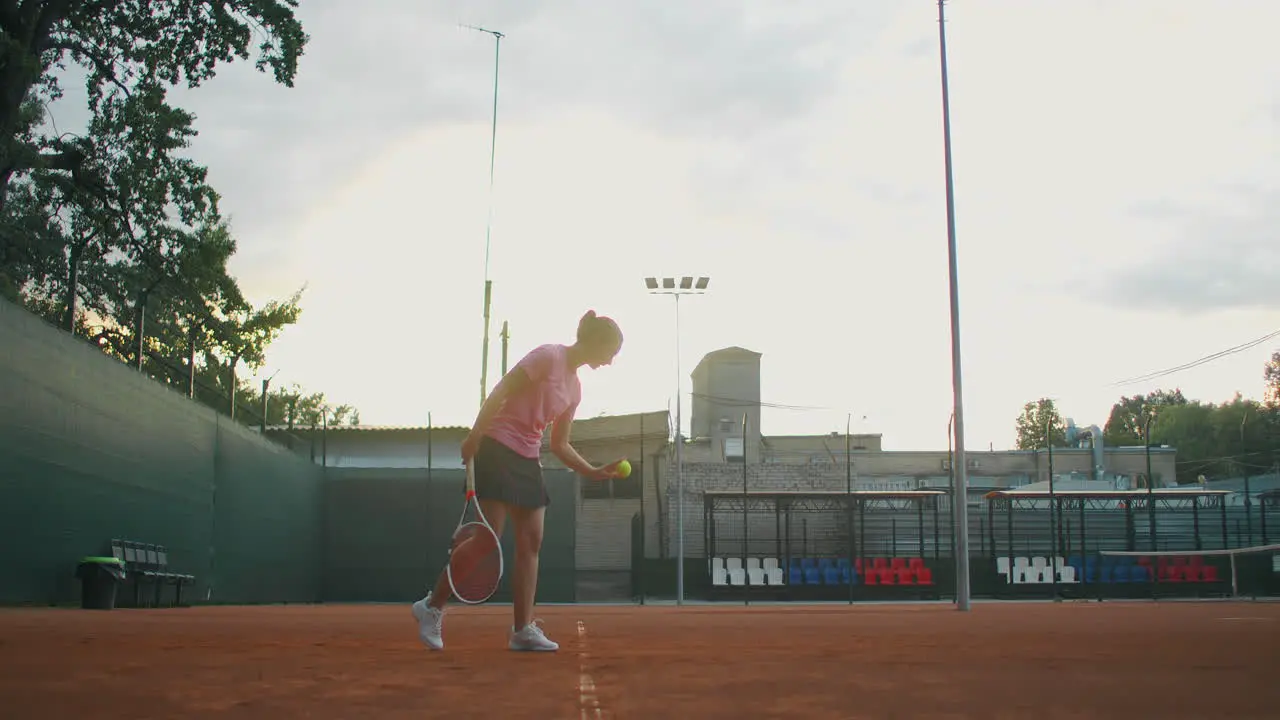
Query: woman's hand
point(469, 447)
point(606, 472)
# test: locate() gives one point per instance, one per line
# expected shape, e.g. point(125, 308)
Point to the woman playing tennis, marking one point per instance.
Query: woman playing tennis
point(504, 448)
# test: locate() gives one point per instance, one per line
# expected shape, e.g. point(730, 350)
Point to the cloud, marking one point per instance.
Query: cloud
point(1215, 260)
point(793, 151)
point(706, 69)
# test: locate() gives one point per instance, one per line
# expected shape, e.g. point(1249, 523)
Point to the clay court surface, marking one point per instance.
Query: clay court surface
point(1002, 660)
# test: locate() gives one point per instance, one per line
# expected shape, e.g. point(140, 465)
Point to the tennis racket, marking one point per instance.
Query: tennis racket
point(475, 557)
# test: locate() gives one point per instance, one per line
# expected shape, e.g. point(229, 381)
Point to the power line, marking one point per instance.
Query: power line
point(1201, 361)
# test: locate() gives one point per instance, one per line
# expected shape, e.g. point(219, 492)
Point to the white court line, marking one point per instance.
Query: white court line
point(588, 701)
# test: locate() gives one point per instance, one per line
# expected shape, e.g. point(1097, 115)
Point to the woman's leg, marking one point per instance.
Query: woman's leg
point(527, 524)
point(429, 611)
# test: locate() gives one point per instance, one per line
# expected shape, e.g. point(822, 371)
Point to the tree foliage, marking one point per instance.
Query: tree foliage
point(1231, 439)
point(114, 233)
point(291, 407)
point(1128, 420)
point(123, 49)
point(1271, 376)
point(1039, 424)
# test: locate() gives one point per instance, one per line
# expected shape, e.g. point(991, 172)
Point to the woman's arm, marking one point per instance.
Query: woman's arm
point(565, 451)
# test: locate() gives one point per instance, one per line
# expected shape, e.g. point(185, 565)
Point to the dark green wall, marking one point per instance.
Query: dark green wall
point(90, 450)
point(387, 534)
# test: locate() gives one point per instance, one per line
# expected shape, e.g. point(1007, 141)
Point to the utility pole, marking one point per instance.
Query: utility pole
point(960, 491)
point(488, 284)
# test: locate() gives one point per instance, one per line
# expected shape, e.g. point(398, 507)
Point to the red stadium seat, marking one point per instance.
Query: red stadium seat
point(1209, 573)
point(1191, 573)
point(888, 576)
point(915, 563)
point(879, 563)
point(924, 576)
point(906, 576)
point(898, 563)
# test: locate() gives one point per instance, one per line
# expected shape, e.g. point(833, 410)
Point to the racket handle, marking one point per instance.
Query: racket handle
point(471, 480)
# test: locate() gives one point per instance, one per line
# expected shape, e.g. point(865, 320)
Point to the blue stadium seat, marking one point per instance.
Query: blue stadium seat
point(847, 574)
point(796, 576)
point(811, 576)
point(808, 563)
point(831, 575)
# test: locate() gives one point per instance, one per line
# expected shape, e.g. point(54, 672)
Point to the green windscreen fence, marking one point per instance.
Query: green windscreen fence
point(90, 450)
point(387, 532)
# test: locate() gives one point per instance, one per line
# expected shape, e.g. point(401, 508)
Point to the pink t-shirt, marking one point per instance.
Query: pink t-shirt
point(522, 420)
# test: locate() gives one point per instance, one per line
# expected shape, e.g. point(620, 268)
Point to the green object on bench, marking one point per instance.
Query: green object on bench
point(99, 579)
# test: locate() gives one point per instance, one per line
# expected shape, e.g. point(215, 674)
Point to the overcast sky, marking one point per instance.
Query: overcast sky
point(1117, 199)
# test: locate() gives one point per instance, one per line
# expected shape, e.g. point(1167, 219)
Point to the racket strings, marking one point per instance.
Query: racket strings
point(475, 563)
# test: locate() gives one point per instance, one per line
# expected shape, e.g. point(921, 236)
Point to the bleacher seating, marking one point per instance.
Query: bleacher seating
point(820, 571)
point(1107, 569)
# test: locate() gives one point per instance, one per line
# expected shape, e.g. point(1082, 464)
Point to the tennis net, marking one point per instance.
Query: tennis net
point(1255, 554)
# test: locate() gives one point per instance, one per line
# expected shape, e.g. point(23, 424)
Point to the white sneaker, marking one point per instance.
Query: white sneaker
point(430, 621)
point(531, 638)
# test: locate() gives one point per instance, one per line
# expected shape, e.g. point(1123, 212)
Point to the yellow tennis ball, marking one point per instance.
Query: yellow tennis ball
point(624, 469)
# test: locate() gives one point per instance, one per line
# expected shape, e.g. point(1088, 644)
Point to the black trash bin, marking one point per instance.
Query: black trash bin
point(99, 579)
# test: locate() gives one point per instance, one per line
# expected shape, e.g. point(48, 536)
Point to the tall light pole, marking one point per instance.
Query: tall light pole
point(960, 491)
point(1248, 502)
point(1053, 511)
point(1151, 499)
point(676, 288)
point(488, 285)
point(951, 479)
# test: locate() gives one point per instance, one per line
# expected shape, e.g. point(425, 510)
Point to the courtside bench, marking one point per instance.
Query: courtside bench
point(149, 564)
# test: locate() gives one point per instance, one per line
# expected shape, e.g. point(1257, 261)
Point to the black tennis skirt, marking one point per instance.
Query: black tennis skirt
point(504, 475)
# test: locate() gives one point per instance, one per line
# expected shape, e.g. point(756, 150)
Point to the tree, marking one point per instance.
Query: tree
point(1230, 439)
point(1040, 419)
point(1271, 375)
point(112, 233)
point(292, 408)
point(1127, 422)
point(118, 194)
point(122, 46)
point(144, 255)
